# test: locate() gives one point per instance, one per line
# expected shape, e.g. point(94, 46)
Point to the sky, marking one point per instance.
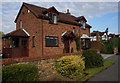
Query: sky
point(100, 15)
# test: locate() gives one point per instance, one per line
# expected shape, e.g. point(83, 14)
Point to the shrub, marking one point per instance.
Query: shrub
point(20, 72)
point(70, 66)
point(72, 50)
point(92, 59)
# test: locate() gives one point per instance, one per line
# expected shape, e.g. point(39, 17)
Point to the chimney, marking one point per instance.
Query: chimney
point(68, 11)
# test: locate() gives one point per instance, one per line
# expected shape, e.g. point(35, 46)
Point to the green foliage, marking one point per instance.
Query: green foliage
point(92, 58)
point(77, 40)
point(70, 66)
point(72, 50)
point(110, 45)
point(1, 33)
point(64, 50)
point(20, 72)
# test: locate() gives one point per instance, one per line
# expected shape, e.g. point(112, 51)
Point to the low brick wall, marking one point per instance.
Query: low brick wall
point(8, 61)
point(45, 64)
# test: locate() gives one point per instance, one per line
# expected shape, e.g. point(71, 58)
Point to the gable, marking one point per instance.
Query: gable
point(18, 32)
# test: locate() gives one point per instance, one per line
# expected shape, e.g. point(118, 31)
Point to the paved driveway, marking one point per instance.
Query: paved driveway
point(105, 56)
point(109, 74)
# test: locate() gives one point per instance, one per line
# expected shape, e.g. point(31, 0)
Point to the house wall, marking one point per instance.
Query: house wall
point(57, 30)
point(35, 27)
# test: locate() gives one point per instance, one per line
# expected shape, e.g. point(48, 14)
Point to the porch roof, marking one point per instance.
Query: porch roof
point(17, 33)
point(85, 36)
point(68, 34)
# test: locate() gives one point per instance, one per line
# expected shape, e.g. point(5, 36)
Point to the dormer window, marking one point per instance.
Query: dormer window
point(53, 18)
point(83, 24)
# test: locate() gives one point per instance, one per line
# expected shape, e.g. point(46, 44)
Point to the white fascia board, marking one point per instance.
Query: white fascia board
point(63, 33)
point(26, 32)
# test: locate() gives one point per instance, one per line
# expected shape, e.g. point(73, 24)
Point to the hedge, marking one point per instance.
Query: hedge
point(20, 72)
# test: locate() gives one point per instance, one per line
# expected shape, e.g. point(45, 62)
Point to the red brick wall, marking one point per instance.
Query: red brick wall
point(34, 27)
point(34, 58)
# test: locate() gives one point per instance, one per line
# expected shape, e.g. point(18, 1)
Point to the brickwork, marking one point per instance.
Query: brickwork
point(33, 26)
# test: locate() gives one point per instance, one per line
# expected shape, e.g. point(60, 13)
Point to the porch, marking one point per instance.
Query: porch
point(15, 44)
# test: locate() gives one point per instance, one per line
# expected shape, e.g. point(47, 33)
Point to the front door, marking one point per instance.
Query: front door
point(67, 46)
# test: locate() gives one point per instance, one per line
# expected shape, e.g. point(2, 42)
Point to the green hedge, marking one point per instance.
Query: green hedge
point(70, 66)
point(20, 72)
point(92, 59)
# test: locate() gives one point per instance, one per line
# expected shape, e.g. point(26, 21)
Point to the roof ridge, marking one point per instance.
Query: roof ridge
point(33, 5)
point(48, 8)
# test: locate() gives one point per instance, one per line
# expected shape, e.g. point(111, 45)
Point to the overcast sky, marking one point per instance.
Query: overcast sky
point(100, 15)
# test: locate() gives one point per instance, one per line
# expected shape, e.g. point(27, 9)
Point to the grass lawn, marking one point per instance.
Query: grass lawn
point(92, 71)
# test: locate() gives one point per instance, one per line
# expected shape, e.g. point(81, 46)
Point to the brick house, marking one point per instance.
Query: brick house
point(97, 36)
point(44, 31)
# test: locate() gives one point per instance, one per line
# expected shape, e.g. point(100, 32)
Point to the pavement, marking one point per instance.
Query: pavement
point(109, 75)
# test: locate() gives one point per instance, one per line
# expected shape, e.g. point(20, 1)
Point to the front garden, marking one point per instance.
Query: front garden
point(73, 67)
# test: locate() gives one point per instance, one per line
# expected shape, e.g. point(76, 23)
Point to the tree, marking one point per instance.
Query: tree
point(1, 33)
point(106, 31)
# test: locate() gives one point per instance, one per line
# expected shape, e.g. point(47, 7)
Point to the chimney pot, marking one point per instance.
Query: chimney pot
point(68, 12)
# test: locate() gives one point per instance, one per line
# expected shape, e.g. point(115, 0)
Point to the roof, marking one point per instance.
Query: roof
point(97, 32)
point(39, 12)
point(81, 18)
point(113, 35)
point(18, 33)
point(85, 36)
point(68, 34)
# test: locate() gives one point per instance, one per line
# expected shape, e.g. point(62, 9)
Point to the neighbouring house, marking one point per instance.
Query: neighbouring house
point(97, 36)
point(45, 31)
point(113, 35)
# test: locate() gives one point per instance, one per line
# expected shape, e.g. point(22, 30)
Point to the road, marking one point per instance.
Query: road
point(110, 74)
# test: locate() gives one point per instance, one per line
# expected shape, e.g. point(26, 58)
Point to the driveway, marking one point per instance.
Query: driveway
point(110, 74)
point(105, 56)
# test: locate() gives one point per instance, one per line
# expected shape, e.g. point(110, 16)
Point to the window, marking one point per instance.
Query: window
point(24, 43)
point(51, 41)
point(73, 29)
point(20, 23)
point(28, 11)
point(83, 24)
point(53, 18)
point(15, 42)
point(33, 41)
point(46, 14)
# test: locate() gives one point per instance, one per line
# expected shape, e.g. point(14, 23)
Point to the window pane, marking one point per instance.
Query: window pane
point(51, 41)
point(20, 23)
